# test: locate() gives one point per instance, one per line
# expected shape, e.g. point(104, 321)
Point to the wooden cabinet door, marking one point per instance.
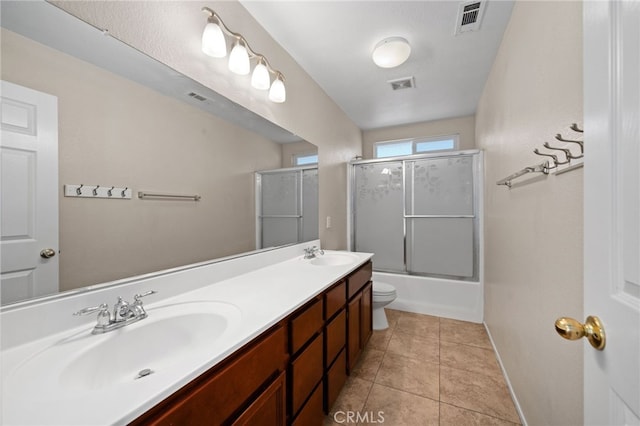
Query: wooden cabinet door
point(366, 319)
point(268, 408)
point(354, 313)
point(216, 395)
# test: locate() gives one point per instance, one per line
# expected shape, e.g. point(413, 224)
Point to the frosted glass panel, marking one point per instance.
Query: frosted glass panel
point(379, 223)
point(280, 193)
point(441, 246)
point(440, 186)
point(277, 231)
point(310, 205)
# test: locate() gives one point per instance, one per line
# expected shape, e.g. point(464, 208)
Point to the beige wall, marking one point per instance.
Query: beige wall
point(533, 232)
point(115, 132)
point(171, 32)
point(289, 150)
point(463, 126)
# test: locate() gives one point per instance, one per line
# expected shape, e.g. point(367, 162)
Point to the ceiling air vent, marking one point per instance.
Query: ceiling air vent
point(469, 16)
point(402, 83)
point(198, 97)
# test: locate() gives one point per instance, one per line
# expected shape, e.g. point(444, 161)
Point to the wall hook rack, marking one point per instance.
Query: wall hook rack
point(97, 191)
point(546, 167)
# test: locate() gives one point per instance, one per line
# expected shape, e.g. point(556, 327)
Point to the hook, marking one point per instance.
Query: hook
point(95, 190)
point(123, 194)
point(567, 153)
point(555, 158)
point(575, 128)
point(581, 143)
point(109, 192)
point(79, 189)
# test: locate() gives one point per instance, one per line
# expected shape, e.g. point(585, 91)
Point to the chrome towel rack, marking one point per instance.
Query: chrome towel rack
point(156, 196)
point(561, 161)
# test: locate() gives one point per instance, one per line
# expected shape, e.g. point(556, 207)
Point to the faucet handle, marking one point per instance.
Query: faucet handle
point(137, 297)
point(138, 309)
point(104, 317)
point(86, 311)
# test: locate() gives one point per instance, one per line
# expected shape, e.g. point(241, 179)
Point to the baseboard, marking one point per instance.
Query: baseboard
point(506, 378)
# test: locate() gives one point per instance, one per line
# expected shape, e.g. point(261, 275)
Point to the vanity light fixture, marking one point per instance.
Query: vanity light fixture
point(391, 52)
point(277, 93)
point(239, 62)
point(214, 44)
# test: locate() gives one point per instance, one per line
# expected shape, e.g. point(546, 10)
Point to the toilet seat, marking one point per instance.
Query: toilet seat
point(383, 289)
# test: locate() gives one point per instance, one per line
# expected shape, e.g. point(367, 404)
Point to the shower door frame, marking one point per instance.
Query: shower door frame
point(258, 200)
point(478, 208)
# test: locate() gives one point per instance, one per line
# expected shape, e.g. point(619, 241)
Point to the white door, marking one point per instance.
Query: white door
point(612, 209)
point(28, 193)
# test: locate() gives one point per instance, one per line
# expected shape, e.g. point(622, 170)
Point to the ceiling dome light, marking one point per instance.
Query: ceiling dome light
point(391, 52)
point(239, 59)
point(277, 93)
point(260, 79)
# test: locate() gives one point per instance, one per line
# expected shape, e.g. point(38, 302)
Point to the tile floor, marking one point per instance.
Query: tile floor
point(425, 370)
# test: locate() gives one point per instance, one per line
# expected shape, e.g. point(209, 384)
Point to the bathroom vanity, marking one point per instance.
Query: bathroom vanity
point(272, 345)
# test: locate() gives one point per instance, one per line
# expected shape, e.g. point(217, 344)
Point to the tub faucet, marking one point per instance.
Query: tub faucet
point(124, 313)
point(312, 252)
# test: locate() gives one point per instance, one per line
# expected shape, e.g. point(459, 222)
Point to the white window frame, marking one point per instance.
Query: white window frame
point(416, 141)
point(294, 160)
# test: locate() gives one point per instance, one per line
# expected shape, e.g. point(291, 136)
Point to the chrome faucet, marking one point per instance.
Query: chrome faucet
point(124, 313)
point(312, 252)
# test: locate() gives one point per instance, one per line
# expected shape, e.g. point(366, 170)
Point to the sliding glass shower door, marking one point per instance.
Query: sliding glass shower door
point(287, 206)
point(418, 215)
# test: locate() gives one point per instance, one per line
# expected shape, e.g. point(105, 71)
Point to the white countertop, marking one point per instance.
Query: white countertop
point(263, 297)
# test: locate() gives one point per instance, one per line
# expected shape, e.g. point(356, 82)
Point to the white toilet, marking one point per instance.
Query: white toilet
point(383, 294)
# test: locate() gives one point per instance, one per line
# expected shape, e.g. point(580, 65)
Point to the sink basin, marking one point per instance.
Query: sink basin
point(334, 259)
point(171, 335)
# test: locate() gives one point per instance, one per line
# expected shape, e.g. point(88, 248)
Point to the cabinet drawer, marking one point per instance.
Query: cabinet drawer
point(306, 372)
point(268, 408)
point(216, 395)
point(311, 414)
point(335, 299)
point(358, 279)
point(336, 336)
point(305, 325)
point(336, 377)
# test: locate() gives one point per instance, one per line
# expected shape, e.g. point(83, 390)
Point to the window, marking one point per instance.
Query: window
point(305, 159)
point(415, 146)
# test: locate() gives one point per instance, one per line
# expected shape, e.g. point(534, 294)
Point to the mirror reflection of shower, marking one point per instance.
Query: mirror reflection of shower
point(286, 206)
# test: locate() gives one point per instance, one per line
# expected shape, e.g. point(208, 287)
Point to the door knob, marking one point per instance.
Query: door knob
point(47, 253)
point(593, 329)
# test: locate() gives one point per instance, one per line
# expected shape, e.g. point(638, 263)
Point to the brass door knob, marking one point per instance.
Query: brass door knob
point(593, 329)
point(47, 253)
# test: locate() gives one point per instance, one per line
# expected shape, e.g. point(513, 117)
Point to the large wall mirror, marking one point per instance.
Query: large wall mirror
point(127, 121)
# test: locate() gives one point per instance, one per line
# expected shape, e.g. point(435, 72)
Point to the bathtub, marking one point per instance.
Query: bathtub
point(461, 300)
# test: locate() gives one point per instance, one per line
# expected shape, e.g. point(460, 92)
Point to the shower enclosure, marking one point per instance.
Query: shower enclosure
point(286, 206)
point(419, 214)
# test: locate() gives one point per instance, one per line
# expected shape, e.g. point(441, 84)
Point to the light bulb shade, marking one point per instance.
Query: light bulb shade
point(260, 78)
point(277, 93)
point(391, 52)
point(239, 60)
point(213, 42)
